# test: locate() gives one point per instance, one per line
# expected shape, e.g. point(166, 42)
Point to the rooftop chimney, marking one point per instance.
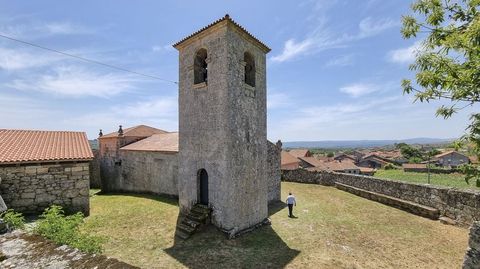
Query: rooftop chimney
point(120, 131)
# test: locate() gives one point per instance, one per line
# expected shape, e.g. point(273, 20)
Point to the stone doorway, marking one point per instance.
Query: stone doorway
point(203, 186)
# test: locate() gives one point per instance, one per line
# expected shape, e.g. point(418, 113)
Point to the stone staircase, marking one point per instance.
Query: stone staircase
point(199, 215)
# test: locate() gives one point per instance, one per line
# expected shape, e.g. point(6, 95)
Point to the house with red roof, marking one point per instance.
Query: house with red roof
point(42, 168)
point(451, 159)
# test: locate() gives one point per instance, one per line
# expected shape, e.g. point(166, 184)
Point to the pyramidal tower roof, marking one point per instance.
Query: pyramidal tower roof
point(226, 20)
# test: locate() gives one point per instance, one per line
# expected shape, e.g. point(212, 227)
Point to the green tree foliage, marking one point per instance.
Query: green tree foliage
point(330, 154)
point(409, 152)
point(447, 63)
point(14, 220)
point(62, 229)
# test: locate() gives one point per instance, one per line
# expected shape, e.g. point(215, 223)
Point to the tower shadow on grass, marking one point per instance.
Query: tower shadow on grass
point(210, 248)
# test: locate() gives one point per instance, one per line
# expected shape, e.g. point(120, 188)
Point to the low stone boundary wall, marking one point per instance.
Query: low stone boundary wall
point(472, 257)
point(30, 189)
point(461, 205)
point(414, 208)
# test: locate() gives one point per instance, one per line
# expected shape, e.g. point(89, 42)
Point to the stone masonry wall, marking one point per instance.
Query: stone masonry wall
point(472, 257)
point(32, 188)
point(148, 172)
point(95, 180)
point(460, 205)
point(274, 174)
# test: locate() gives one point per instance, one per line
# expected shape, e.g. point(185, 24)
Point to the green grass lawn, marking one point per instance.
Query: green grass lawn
point(449, 180)
point(334, 229)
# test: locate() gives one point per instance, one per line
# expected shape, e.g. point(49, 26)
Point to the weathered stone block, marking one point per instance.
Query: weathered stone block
point(27, 195)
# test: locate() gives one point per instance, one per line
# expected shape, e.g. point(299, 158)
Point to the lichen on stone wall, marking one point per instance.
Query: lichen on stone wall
point(472, 257)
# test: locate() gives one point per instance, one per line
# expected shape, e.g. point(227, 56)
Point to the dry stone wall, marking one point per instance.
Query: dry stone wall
point(472, 257)
point(30, 189)
point(460, 205)
point(95, 180)
point(274, 173)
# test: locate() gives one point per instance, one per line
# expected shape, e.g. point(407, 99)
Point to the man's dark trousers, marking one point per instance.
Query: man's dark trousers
point(290, 208)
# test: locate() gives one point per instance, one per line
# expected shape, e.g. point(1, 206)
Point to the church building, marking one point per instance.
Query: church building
point(220, 159)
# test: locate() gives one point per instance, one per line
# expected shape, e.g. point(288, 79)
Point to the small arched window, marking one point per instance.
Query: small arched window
point(200, 67)
point(249, 69)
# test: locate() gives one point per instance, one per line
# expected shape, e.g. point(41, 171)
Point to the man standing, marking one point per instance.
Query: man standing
point(290, 202)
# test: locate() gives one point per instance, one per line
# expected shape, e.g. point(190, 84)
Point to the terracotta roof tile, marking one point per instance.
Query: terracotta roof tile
point(312, 161)
point(139, 130)
point(334, 166)
point(287, 158)
point(447, 153)
point(299, 152)
point(228, 20)
point(28, 146)
point(167, 142)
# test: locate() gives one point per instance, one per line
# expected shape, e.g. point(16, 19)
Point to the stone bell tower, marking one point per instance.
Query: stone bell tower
point(223, 141)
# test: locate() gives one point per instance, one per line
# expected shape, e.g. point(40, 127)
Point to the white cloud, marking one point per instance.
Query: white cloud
point(370, 27)
point(164, 48)
point(75, 81)
point(160, 112)
point(158, 106)
point(322, 38)
point(33, 30)
point(404, 55)
point(343, 60)
point(359, 89)
point(293, 48)
point(277, 100)
point(15, 59)
point(65, 28)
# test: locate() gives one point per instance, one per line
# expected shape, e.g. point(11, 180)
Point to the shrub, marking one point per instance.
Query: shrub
point(62, 229)
point(390, 167)
point(14, 220)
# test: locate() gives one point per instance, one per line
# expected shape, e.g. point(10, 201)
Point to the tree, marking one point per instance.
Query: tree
point(447, 62)
point(409, 152)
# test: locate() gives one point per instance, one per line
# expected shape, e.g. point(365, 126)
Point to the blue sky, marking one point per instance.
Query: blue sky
point(333, 73)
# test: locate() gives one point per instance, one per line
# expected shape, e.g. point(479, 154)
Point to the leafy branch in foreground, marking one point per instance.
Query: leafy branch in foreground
point(447, 62)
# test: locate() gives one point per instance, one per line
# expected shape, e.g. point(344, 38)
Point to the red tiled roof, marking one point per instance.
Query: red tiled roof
point(448, 153)
point(167, 142)
point(312, 161)
point(335, 166)
point(299, 152)
point(27, 146)
point(225, 19)
point(139, 130)
point(287, 158)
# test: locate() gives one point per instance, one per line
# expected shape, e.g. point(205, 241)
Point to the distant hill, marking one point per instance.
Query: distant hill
point(363, 143)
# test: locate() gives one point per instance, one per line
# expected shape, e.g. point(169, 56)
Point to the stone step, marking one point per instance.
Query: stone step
point(202, 209)
point(414, 208)
point(185, 228)
point(196, 217)
point(192, 223)
point(181, 234)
